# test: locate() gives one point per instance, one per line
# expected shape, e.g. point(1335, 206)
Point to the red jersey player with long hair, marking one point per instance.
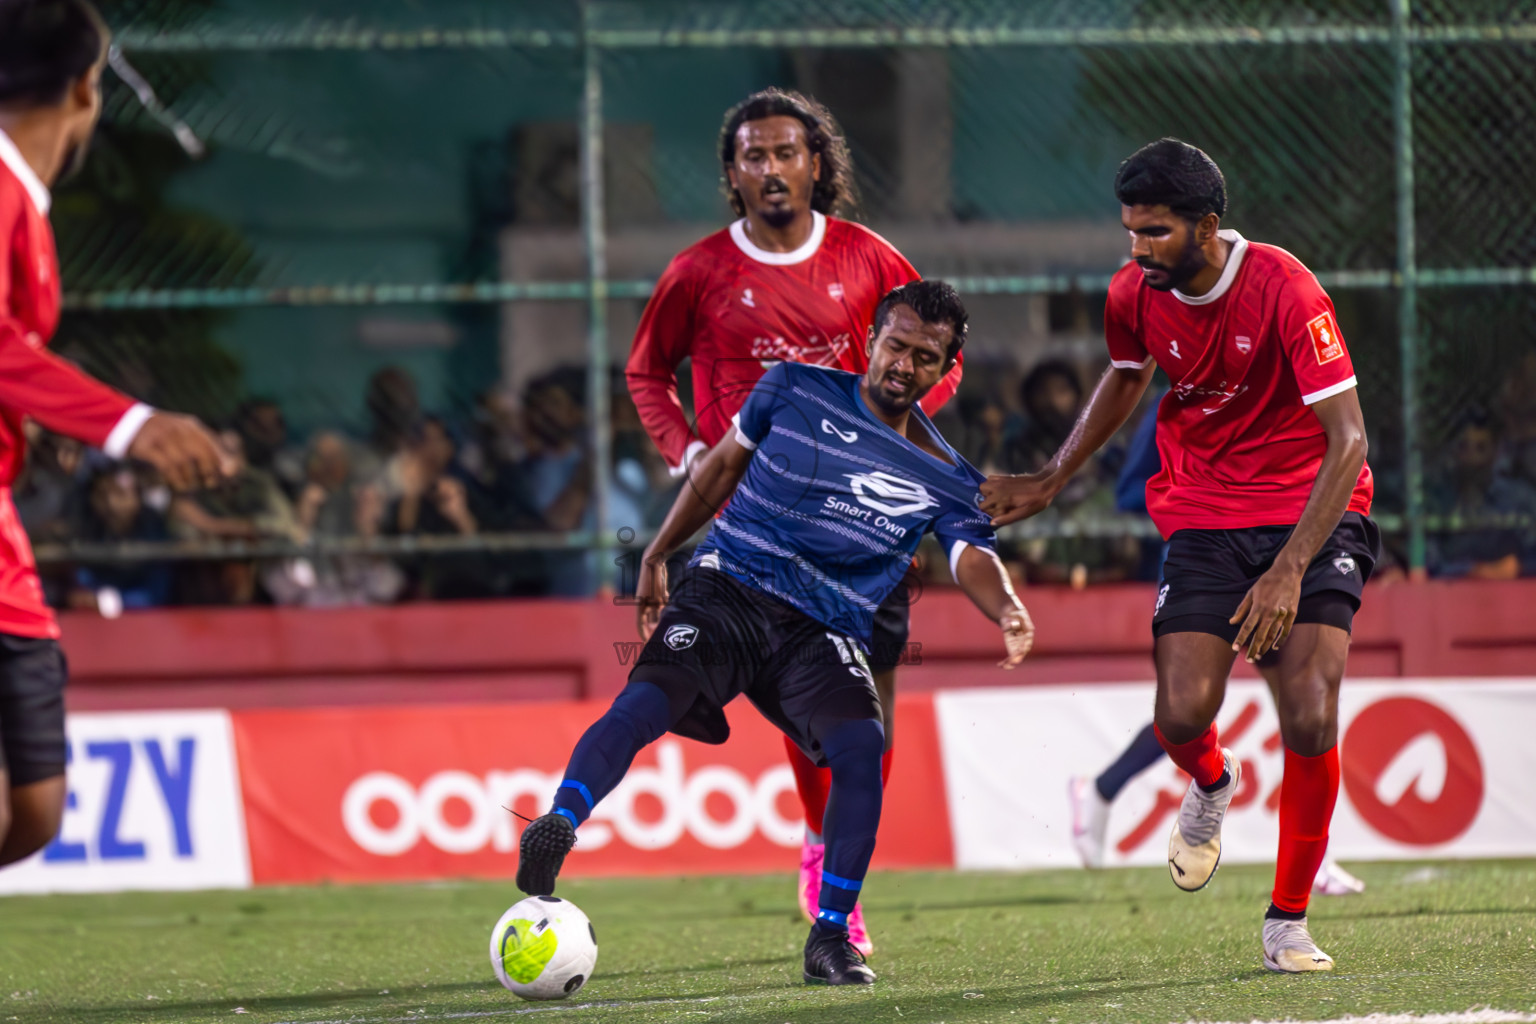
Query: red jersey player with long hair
point(1264, 495)
point(51, 58)
point(787, 282)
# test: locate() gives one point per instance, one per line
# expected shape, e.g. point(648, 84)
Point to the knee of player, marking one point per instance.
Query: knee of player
point(855, 741)
point(1309, 728)
point(5, 820)
point(646, 707)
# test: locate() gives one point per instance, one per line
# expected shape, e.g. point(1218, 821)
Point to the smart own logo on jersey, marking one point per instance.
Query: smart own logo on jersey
point(890, 494)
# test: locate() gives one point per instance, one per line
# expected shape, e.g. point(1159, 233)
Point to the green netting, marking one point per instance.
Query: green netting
point(399, 183)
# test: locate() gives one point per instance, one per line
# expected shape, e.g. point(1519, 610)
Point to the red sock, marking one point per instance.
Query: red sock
point(1200, 757)
point(885, 766)
point(812, 783)
point(1307, 795)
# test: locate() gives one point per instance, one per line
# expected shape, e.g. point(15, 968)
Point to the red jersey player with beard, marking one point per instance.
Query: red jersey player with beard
point(51, 58)
point(1264, 495)
point(787, 282)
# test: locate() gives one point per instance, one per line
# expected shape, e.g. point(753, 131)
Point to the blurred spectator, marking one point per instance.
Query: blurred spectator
point(264, 432)
point(1471, 488)
point(394, 416)
point(333, 503)
point(47, 494)
point(1052, 395)
point(249, 506)
point(437, 498)
point(559, 474)
point(1142, 463)
point(116, 512)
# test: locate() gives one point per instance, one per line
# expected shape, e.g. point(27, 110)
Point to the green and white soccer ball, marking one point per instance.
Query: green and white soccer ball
point(544, 948)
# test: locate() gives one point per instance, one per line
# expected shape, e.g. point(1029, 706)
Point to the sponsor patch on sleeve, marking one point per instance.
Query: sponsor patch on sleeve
point(1326, 343)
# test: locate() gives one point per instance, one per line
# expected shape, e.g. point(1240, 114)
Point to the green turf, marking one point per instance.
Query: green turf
point(1054, 947)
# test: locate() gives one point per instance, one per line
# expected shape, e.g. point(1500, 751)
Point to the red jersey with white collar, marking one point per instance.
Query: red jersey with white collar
point(36, 383)
point(736, 310)
point(1239, 447)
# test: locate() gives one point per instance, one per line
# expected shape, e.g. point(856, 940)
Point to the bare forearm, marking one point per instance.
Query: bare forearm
point(1328, 501)
point(709, 486)
point(1111, 404)
point(982, 576)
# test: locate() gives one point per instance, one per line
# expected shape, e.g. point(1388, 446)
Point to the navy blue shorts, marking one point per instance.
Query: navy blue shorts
point(32, 674)
point(719, 638)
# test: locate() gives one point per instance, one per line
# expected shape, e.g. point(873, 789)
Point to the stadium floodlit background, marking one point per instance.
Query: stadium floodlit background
point(398, 250)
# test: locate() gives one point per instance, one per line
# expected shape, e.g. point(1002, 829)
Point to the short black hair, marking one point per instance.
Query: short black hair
point(935, 302)
point(1043, 371)
point(45, 45)
point(1174, 174)
point(835, 192)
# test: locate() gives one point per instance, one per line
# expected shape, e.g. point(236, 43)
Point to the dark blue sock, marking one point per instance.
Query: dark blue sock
point(1143, 753)
point(853, 751)
point(638, 716)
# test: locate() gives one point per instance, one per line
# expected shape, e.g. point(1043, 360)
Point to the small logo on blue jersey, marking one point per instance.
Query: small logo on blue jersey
point(681, 637)
point(849, 436)
point(1344, 564)
point(890, 494)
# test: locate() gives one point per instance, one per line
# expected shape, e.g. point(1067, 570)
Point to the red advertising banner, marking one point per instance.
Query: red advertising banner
point(373, 794)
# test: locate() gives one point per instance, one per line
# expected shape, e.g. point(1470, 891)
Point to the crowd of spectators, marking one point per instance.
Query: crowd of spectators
point(521, 464)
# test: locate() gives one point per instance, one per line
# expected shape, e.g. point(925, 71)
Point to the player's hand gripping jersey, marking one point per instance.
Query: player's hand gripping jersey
point(834, 503)
point(735, 310)
point(36, 383)
point(1238, 445)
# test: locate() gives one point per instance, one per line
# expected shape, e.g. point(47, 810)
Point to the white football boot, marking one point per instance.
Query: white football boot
point(1333, 880)
point(1090, 820)
point(1194, 846)
point(1288, 948)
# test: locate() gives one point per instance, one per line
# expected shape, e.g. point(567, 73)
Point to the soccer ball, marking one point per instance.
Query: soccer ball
point(544, 948)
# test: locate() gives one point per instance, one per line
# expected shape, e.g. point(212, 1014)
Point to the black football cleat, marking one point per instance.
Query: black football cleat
point(541, 853)
point(832, 960)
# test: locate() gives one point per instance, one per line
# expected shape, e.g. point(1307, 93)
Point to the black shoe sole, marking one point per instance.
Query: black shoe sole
point(541, 854)
point(852, 979)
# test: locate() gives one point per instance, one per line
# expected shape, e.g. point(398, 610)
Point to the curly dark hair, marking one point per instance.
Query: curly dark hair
point(936, 302)
point(835, 192)
point(44, 46)
point(1174, 174)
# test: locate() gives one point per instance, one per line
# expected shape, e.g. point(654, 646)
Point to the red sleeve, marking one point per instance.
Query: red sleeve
point(1309, 332)
point(662, 341)
point(1121, 323)
point(38, 383)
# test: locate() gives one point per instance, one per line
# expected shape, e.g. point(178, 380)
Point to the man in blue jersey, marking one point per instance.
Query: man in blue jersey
point(828, 483)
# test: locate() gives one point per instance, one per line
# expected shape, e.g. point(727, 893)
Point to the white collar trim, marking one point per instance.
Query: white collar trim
point(781, 259)
point(1228, 273)
point(12, 158)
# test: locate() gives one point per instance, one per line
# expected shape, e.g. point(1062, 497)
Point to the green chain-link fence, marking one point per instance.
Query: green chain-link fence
point(481, 194)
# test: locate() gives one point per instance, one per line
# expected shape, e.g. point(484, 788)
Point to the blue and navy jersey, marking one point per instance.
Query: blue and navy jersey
point(835, 502)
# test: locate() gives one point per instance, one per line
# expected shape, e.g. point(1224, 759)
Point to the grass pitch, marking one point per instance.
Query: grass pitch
point(1054, 947)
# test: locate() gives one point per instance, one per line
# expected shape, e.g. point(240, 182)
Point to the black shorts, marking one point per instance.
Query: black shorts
point(32, 674)
point(1207, 572)
point(893, 624)
point(719, 638)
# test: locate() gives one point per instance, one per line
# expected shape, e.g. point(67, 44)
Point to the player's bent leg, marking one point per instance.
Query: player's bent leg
point(1305, 676)
point(1192, 669)
point(638, 716)
point(853, 748)
point(30, 814)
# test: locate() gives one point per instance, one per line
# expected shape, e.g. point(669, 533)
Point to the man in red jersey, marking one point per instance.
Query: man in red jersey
point(51, 58)
point(786, 282)
point(1264, 496)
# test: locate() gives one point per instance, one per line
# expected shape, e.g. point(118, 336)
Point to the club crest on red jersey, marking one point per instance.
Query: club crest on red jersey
point(835, 289)
point(1326, 343)
point(1244, 344)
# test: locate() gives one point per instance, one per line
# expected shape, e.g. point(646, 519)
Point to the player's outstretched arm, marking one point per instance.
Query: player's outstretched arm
point(1268, 610)
point(1011, 498)
point(712, 480)
point(982, 576)
point(182, 449)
